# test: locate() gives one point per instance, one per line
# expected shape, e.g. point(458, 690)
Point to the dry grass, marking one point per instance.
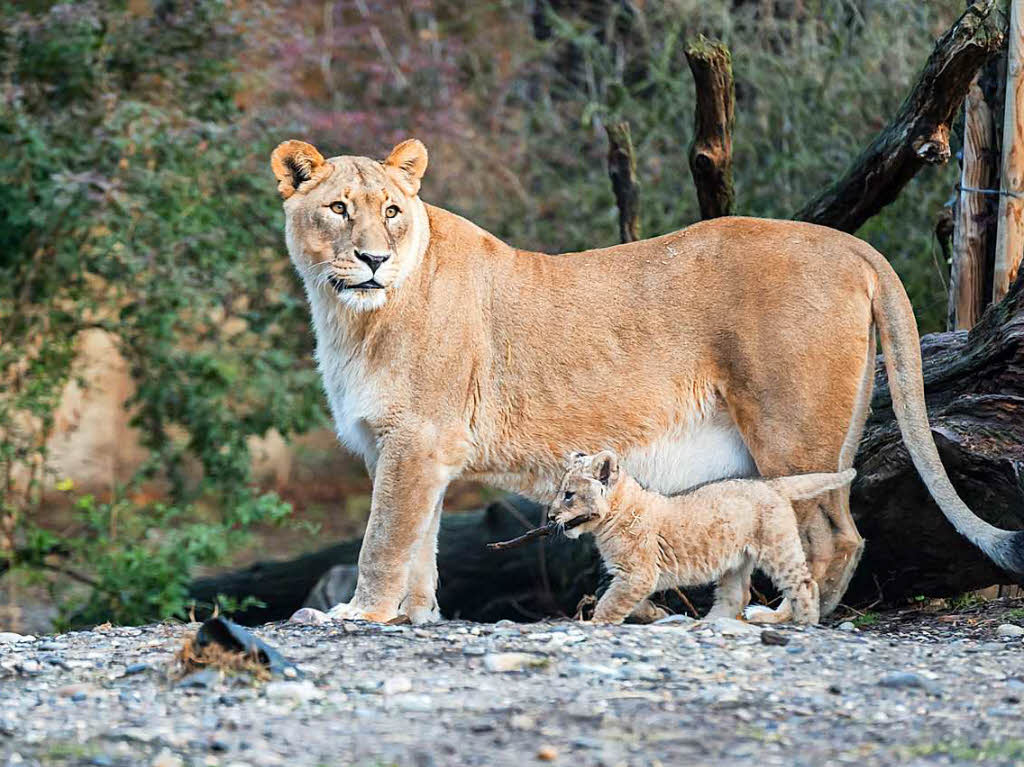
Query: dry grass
point(192, 657)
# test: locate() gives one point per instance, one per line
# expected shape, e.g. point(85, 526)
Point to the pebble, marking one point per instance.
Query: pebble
point(297, 692)
point(395, 685)
point(9, 637)
point(1010, 630)
point(166, 759)
point(905, 679)
point(310, 617)
point(547, 753)
point(847, 626)
point(776, 638)
point(503, 662)
point(200, 679)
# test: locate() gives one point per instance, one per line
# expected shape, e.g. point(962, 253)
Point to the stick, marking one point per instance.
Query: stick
point(539, 532)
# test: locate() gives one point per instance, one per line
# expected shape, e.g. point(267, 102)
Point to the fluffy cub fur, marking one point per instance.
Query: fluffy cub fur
point(718, 532)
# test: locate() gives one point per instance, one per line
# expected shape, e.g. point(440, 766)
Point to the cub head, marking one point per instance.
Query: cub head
point(585, 491)
point(355, 227)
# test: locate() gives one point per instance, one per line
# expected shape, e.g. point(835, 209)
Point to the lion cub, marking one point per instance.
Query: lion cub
point(717, 532)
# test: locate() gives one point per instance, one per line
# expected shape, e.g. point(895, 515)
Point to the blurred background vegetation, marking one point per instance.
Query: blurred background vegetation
point(136, 202)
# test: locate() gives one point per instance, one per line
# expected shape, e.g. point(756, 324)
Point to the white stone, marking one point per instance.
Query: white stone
point(847, 626)
point(9, 637)
point(396, 685)
point(501, 662)
point(1010, 630)
point(299, 692)
point(309, 616)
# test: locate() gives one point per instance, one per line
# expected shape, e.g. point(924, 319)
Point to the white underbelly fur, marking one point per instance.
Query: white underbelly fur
point(689, 454)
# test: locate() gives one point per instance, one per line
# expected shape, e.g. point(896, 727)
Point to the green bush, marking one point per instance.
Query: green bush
point(133, 199)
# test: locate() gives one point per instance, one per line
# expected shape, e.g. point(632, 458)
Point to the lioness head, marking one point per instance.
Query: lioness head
point(355, 227)
point(583, 494)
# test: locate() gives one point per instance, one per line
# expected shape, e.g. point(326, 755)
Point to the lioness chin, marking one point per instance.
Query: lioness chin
point(732, 348)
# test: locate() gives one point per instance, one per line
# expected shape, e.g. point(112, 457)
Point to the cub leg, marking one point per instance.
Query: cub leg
point(732, 592)
point(782, 559)
point(626, 591)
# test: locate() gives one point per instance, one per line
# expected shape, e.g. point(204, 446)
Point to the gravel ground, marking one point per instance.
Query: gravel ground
point(908, 689)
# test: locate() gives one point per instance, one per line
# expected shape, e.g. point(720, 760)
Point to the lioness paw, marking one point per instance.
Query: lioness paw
point(347, 611)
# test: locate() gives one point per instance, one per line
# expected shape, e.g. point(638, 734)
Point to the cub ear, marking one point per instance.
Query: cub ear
point(295, 163)
point(605, 467)
point(408, 160)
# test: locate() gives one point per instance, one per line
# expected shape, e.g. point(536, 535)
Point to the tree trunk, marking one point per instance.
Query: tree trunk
point(711, 148)
point(622, 172)
point(1010, 239)
point(919, 133)
point(970, 263)
point(975, 394)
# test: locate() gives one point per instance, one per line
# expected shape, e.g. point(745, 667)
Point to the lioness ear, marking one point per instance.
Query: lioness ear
point(409, 162)
point(295, 163)
point(606, 467)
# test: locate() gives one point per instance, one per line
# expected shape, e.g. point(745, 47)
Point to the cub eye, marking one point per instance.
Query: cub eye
point(392, 211)
point(569, 495)
point(339, 208)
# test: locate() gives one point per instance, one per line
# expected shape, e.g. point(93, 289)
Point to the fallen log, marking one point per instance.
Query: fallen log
point(975, 392)
point(918, 135)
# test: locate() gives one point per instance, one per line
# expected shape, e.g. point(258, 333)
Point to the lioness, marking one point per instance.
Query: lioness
point(733, 347)
point(718, 533)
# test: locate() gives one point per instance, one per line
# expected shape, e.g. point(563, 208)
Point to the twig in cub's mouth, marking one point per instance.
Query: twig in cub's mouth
point(538, 532)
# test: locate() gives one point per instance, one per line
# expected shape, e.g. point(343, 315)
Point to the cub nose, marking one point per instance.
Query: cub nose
point(372, 260)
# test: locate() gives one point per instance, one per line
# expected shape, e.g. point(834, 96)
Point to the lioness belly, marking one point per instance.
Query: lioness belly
point(690, 453)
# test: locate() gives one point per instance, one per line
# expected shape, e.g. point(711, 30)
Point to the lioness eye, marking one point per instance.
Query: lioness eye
point(338, 207)
point(569, 495)
point(392, 211)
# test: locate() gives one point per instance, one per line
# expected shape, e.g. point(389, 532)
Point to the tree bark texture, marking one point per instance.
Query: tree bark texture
point(711, 148)
point(1010, 238)
point(970, 263)
point(918, 134)
point(622, 172)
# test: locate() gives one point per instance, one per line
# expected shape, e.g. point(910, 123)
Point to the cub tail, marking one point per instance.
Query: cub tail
point(801, 486)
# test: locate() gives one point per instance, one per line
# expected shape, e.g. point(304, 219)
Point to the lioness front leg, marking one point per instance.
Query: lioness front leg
point(626, 591)
point(420, 602)
point(408, 484)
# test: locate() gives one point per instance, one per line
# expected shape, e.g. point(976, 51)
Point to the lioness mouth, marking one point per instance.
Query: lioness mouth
point(370, 284)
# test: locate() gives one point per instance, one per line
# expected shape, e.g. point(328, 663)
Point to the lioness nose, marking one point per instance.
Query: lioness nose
point(372, 260)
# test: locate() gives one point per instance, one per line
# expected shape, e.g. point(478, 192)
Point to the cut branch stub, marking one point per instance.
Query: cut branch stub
point(622, 172)
point(711, 148)
point(919, 133)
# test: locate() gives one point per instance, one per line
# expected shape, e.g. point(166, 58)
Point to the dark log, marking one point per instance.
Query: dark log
point(919, 133)
point(975, 393)
point(714, 115)
point(525, 582)
point(622, 172)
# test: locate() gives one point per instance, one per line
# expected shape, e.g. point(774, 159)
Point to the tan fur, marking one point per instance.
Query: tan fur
point(716, 533)
point(734, 347)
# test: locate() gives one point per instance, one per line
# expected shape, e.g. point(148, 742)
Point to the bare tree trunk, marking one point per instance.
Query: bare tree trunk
point(622, 171)
point(1010, 239)
point(967, 295)
point(919, 133)
point(711, 148)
